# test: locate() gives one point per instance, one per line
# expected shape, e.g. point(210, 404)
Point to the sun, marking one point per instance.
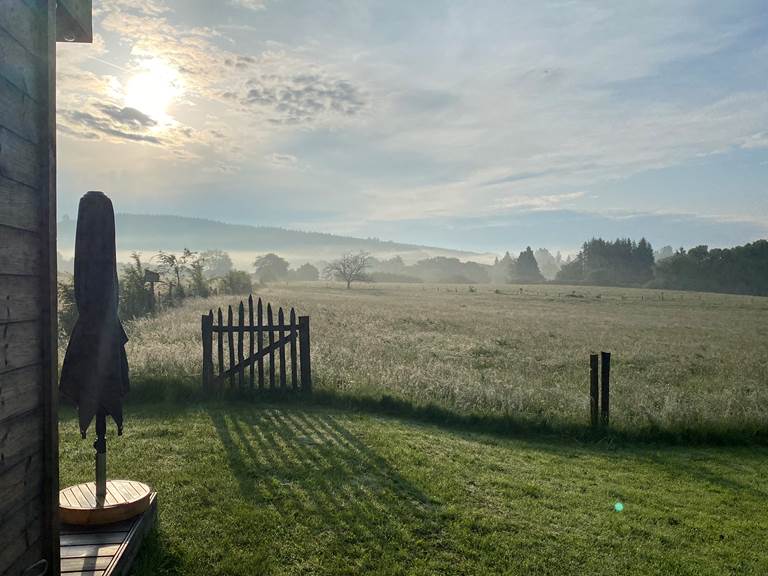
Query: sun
point(153, 89)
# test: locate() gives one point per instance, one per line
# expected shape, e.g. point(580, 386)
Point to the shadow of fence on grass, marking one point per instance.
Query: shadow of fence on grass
point(326, 485)
point(513, 425)
point(178, 392)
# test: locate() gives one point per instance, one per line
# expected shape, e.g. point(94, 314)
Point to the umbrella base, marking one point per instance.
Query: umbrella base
point(124, 499)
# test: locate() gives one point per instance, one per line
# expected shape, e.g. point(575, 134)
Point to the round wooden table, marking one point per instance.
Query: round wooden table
point(124, 499)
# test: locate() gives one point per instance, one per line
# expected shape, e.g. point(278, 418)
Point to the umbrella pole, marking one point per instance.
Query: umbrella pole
point(101, 455)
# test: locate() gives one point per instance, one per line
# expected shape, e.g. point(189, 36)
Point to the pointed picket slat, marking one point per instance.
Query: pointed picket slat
point(240, 338)
point(294, 378)
point(250, 339)
point(270, 325)
point(231, 340)
point(221, 346)
point(260, 342)
point(281, 324)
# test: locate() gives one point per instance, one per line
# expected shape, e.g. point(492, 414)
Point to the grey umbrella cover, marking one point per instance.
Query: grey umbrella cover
point(95, 370)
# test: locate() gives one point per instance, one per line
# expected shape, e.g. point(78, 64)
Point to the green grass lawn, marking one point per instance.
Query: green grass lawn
point(249, 489)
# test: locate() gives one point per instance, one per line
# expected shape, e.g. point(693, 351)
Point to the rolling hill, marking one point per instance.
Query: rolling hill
point(148, 234)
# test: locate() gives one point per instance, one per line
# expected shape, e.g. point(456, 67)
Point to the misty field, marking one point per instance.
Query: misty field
point(683, 363)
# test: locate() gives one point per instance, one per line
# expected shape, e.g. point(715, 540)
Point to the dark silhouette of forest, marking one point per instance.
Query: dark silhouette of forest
point(738, 270)
point(623, 262)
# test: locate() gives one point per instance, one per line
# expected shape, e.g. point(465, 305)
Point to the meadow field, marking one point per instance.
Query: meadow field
point(447, 434)
point(685, 364)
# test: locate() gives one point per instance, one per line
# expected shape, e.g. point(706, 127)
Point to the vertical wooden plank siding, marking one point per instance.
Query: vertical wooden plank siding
point(240, 336)
point(28, 347)
point(250, 339)
point(260, 343)
point(231, 344)
point(306, 366)
point(49, 326)
point(294, 362)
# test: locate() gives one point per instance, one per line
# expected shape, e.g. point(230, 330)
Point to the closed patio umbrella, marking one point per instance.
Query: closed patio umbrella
point(95, 370)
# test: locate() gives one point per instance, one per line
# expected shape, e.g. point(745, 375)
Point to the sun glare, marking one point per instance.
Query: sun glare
point(153, 89)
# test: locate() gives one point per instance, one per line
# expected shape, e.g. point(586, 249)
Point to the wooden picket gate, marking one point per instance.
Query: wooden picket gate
point(293, 335)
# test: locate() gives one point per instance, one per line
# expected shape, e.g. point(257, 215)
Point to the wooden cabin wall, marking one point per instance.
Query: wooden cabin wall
point(28, 428)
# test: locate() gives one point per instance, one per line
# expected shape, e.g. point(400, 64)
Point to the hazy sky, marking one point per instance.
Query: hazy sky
point(482, 125)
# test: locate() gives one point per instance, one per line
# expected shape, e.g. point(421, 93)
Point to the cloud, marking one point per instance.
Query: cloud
point(757, 140)
point(425, 110)
point(302, 98)
point(127, 125)
point(127, 116)
point(110, 121)
point(282, 160)
point(256, 5)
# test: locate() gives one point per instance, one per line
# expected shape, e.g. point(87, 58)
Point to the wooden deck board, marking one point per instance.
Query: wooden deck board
point(106, 550)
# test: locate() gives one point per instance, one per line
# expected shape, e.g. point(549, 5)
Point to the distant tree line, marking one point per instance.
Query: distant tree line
point(526, 268)
point(738, 270)
point(179, 276)
point(622, 262)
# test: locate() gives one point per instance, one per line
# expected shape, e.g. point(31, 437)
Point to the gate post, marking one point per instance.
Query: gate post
point(306, 366)
point(206, 324)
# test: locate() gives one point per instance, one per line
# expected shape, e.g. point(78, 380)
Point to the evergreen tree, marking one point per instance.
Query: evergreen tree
point(504, 270)
point(526, 268)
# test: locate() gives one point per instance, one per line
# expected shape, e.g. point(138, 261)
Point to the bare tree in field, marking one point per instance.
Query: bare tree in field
point(349, 268)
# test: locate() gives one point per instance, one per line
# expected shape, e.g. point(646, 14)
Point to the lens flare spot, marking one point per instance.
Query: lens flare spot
point(618, 507)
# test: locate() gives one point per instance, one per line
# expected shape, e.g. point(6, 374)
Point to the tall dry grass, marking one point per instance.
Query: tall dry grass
point(692, 362)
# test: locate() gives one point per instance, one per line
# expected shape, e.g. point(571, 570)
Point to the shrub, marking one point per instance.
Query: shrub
point(135, 299)
point(67, 314)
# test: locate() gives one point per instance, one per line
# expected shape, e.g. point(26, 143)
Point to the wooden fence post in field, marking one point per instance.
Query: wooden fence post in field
point(605, 377)
point(306, 366)
point(207, 330)
point(593, 390)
